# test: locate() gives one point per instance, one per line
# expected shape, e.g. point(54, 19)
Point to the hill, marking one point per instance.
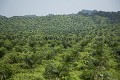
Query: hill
point(82, 46)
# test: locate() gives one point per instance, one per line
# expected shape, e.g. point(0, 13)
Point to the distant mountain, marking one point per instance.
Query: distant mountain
point(86, 12)
point(113, 16)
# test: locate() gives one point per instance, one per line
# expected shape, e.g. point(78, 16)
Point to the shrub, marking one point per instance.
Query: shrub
point(5, 71)
point(2, 52)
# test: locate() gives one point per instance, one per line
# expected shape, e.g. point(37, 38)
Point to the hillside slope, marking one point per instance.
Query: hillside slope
point(82, 46)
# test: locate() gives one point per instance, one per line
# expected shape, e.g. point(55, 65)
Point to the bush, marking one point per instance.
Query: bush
point(2, 52)
point(14, 57)
point(87, 75)
point(31, 59)
point(51, 72)
point(5, 71)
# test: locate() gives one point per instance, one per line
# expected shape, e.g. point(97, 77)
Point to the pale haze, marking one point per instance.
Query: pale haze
point(44, 7)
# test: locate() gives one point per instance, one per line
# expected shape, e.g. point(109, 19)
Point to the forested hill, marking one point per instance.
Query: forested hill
point(82, 46)
point(61, 23)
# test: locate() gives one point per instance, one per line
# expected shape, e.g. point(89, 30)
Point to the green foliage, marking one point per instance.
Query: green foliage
point(87, 75)
point(5, 71)
point(51, 72)
point(82, 46)
point(2, 51)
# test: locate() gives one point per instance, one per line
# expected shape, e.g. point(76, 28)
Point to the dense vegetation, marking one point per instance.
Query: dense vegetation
point(82, 46)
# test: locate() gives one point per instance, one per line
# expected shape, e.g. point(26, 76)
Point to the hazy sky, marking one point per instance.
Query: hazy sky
point(45, 7)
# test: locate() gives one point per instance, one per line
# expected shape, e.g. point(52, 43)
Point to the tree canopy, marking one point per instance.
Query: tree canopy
point(82, 46)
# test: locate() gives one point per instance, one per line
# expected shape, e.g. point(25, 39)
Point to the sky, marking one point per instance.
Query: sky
point(11, 8)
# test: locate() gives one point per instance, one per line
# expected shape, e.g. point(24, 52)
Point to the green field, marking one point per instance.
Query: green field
point(82, 46)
